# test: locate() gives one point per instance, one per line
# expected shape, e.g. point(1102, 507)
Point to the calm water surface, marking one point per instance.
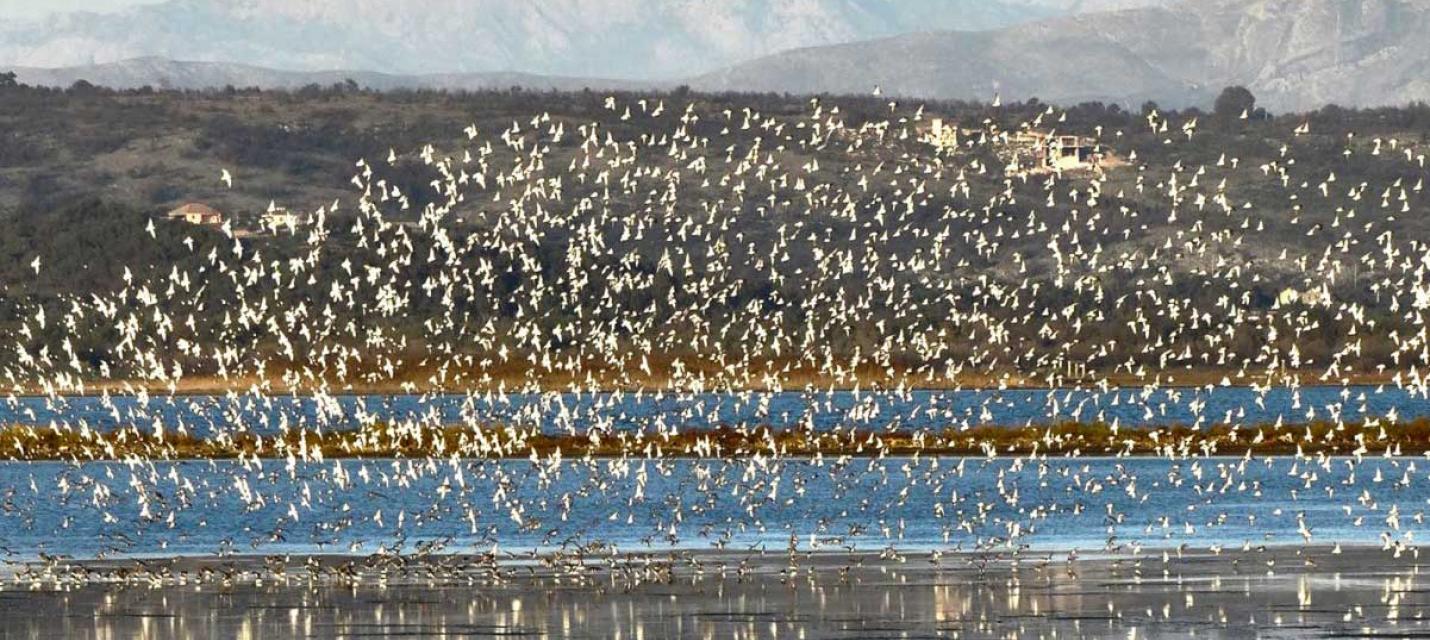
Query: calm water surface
point(350, 506)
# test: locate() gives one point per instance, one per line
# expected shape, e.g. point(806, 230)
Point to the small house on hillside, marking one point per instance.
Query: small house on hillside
point(1065, 153)
point(278, 219)
point(196, 213)
point(1311, 297)
point(942, 135)
point(1038, 152)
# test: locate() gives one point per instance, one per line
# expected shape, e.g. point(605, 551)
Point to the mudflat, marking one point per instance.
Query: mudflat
point(1259, 592)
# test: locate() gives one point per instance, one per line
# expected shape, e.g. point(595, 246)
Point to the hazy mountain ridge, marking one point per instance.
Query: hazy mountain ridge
point(161, 73)
point(1294, 54)
point(640, 39)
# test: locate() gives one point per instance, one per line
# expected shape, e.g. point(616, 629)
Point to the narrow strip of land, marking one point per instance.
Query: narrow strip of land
point(704, 375)
point(381, 440)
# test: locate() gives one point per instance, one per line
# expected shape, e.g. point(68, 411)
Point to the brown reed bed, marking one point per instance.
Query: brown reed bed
point(387, 441)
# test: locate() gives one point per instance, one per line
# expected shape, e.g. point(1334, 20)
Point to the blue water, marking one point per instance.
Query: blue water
point(207, 507)
point(203, 508)
point(565, 412)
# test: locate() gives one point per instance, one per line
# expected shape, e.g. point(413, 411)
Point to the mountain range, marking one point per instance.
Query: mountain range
point(632, 39)
point(163, 73)
point(1293, 54)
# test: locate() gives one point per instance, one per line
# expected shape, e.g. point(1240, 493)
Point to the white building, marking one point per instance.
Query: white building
point(941, 135)
point(1319, 297)
point(196, 213)
point(278, 220)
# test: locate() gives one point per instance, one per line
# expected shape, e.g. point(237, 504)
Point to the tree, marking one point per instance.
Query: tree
point(7, 79)
point(1234, 101)
point(82, 87)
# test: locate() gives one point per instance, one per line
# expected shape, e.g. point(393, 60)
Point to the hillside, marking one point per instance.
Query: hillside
point(1294, 54)
point(565, 238)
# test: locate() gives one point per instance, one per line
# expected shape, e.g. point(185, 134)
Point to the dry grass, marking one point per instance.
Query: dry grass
point(759, 375)
point(380, 440)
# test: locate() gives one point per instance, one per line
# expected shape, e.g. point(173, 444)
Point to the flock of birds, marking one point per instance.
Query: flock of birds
point(666, 248)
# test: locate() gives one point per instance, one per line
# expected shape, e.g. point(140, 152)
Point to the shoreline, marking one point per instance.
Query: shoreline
point(684, 562)
point(601, 555)
point(1283, 592)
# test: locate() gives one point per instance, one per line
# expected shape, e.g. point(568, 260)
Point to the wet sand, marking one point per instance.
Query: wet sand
point(1275, 593)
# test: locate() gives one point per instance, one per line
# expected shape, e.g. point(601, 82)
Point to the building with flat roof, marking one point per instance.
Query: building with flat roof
point(1066, 153)
point(1038, 152)
point(942, 135)
point(278, 220)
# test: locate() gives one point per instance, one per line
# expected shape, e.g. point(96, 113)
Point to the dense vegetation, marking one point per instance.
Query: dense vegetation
point(1148, 267)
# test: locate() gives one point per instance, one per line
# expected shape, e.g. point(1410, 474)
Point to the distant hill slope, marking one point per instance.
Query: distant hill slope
point(174, 74)
point(1294, 54)
point(639, 39)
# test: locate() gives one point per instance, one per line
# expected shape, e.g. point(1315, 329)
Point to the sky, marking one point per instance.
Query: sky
point(29, 9)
